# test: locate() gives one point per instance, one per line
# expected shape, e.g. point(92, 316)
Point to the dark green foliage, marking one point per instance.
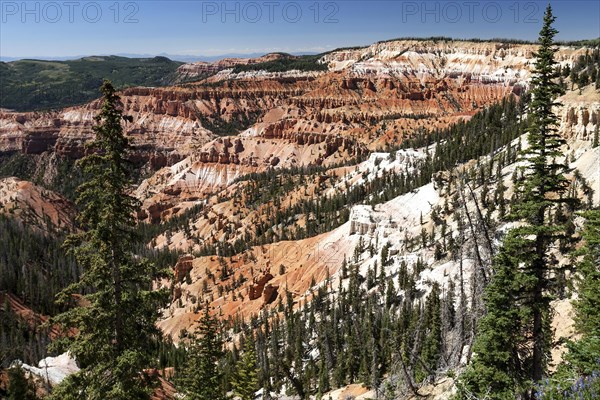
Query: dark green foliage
point(170, 355)
point(356, 336)
point(578, 377)
point(237, 123)
point(201, 377)
point(245, 380)
point(17, 164)
point(585, 68)
point(116, 330)
point(286, 63)
point(574, 43)
point(19, 387)
point(19, 340)
point(514, 338)
point(584, 355)
point(495, 367)
point(41, 85)
point(541, 198)
point(432, 343)
point(34, 266)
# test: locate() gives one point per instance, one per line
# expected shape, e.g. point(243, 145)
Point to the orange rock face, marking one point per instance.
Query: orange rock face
point(183, 267)
point(256, 290)
point(199, 141)
point(396, 84)
point(161, 133)
point(35, 206)
point(270, 294)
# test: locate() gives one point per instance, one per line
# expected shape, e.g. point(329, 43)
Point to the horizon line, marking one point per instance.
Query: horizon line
point(241, 54)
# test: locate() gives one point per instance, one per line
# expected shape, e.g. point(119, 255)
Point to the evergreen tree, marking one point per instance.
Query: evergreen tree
point(245, 380)
point(115, 328)
point(495, 367)
point(577, 376)
point(518, 297)
point(19, 387)
point(584, 355)
point(432, 336)
point(201, 378)
point(541, 194)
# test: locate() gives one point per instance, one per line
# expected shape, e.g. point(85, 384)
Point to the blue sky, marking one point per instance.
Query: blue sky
point(194, 27)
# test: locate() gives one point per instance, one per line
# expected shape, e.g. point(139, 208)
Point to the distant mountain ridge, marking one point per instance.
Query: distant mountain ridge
point(41, 84)
point(186, 58)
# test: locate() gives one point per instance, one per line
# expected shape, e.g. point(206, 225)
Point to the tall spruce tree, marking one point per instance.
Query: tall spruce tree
point(114, 323)
point(201, 378)
point(513, 344)
point(495, 371)
point(245, 380)
point(432, 335)
point(584, 355)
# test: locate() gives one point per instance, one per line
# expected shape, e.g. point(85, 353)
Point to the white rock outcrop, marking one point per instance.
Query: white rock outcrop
point(54, 369)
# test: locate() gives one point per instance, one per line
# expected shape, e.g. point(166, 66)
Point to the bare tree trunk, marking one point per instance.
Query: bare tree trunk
point(473, 235)
point(409, 381)
point(482, 221)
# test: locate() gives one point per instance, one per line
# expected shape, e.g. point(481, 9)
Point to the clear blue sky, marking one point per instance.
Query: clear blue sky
point(194, 27)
